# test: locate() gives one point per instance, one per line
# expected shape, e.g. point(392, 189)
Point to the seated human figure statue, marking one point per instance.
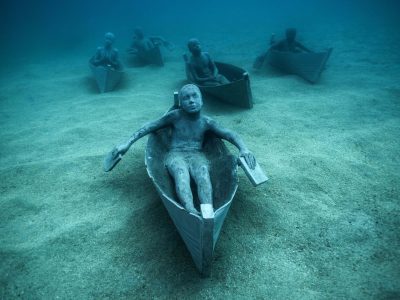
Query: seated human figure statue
point(141, 43)
point(107, 56)
point(201, 66)
point(185, 158)
point(289, 44)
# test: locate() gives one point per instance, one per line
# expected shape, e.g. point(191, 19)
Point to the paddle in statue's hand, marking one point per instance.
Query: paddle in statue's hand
point(256, 175)
point(259, 61)
point(111, 159)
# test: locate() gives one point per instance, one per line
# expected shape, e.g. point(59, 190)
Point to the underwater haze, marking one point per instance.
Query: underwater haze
point(51, 24)
point(325, 225)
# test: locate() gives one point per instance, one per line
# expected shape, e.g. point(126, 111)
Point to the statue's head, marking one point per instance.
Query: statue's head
point(109, 38)
point(190, 98)
point(138, 32)
point(291, 34)
point(194, 46)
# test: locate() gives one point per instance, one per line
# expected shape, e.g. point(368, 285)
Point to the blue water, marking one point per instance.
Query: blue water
point(52, 24)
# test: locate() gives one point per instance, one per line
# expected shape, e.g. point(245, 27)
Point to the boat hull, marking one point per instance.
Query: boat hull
point(199, 232)
point(106, 78)
point(152, 56)
point(307, 65)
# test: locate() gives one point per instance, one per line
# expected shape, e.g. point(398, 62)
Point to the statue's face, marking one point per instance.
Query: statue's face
point(191, 100)
point(108, 39)
point(194, 46)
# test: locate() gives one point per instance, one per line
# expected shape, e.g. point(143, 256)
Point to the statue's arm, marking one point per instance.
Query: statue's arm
point(147, 128)
point(97, 57)
point(234, 139)
point(148, 44)
point(160, 41)
point(157, 40)
point(196, 76)
point(302, 47)
point(115, 58)
point(133, 49)
point(212, 66)
point(275, 45)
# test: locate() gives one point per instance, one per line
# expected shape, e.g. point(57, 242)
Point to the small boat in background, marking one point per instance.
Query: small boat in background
point(237, 92)
point(153, 57)
point(106, 77)
point(307, 65)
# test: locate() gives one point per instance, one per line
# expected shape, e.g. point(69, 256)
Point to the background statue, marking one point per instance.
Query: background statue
point(201, 67)
point(289, 43)
point(142, 44)
point(107, 56)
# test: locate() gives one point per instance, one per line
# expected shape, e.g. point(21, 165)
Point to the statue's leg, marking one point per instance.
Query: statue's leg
point(178, 169)
point(201, 175)
point(222, 79)
point(211, 82)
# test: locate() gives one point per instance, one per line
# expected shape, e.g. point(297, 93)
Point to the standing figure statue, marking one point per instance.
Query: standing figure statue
point(107, 56)
point(201, 67)
point(185, 159)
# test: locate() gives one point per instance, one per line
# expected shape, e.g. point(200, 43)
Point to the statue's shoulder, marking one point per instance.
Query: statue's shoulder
point(174, 114)
point(207, 56)
point(209, 121)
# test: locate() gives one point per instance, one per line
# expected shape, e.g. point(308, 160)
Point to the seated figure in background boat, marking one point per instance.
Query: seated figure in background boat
point(107, 56)
point(185, 158)
point(143, 44)
point(289, 43)
point(201, 66)
point(140, 42)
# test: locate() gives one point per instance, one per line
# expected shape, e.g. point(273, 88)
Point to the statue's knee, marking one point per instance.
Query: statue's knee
point(203, 173)
point(204, 181)
point(180, 171)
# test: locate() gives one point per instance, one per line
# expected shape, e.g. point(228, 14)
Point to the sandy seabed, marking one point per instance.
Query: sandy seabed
point(325, 226)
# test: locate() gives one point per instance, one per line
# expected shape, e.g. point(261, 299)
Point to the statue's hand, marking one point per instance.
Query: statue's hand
point(249, 158)
point(122, 149)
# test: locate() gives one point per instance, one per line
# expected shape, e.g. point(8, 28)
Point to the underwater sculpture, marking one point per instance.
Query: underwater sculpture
point(146, 50)
point(184, 145)
point(290, 56)
point(201, 67)
point(223, 81)
point(105, 65)
point(107, 56)
point(289, 43)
